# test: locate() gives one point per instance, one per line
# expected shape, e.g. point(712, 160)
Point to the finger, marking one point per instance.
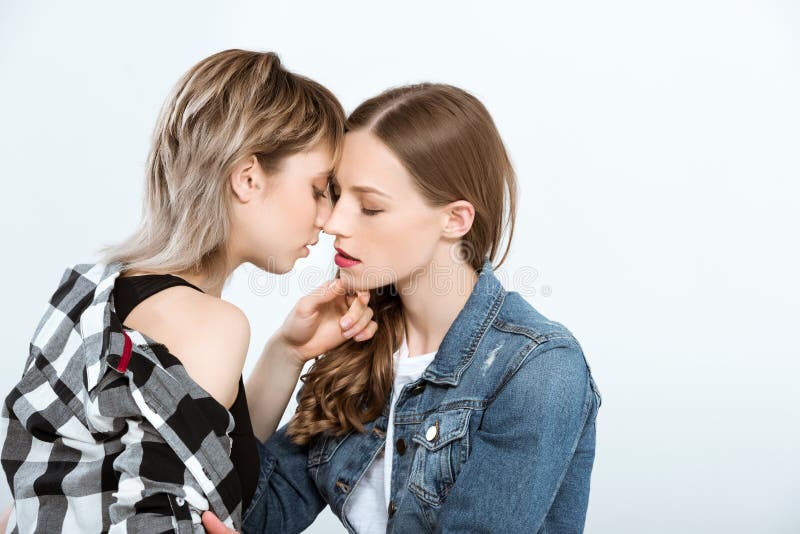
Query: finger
point(353, 314)
point(213, 525)
point(362, 322)
point(368, 332)
point(352, 295)
point(5, 517)
point(325, 293)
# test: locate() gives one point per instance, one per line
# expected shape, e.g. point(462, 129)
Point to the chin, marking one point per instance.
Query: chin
point(364, 281)
point(277, 265)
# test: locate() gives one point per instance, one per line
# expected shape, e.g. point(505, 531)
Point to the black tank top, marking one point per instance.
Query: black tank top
point(129, 291)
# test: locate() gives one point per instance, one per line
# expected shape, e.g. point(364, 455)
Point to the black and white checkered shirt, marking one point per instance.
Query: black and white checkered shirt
point(103, 435)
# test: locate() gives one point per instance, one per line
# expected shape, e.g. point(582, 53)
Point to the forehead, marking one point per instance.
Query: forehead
point(315, 160)
point(366, 160)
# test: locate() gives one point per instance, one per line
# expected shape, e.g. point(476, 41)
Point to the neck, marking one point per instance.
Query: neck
point(432, 300)
point(203, 280)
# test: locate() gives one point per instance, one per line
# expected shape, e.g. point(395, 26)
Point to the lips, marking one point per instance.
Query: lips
point(344, 260)
point(346, 255)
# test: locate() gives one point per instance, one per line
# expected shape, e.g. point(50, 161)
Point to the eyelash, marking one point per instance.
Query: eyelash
point(332, 191)
point(335, 198)
point(318, 194)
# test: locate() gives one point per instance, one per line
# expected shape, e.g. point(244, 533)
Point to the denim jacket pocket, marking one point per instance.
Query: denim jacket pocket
point(442, 447)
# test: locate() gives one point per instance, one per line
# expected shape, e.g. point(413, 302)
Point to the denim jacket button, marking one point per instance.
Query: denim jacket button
point(400, 446)
point(432, 433)
point(392, 508)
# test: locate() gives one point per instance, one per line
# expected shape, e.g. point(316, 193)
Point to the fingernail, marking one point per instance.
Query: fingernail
point(360, 337)
point(346, 322)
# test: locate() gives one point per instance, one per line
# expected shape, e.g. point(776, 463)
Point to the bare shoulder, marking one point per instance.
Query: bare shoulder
point(210, 337)
point(215, 352)
point(219, 324)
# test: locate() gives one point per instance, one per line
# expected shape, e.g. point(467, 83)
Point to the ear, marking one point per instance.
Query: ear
point(458, 218)
point(247, 179)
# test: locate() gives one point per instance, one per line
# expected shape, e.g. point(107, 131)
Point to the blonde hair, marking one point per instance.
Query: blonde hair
point(449, 143)
point(229, 106)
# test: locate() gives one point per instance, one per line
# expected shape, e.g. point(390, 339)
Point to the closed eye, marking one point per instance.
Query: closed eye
point(319, 193)
point(333, 191)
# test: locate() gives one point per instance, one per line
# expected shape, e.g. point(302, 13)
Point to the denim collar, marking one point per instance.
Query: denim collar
point(459, 344)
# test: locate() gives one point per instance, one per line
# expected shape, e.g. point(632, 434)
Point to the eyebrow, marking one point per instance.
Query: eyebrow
point(361, 188)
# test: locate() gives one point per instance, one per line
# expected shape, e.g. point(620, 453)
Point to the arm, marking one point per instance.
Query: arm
point(166, 446)
point(538, 428)
point(154, 492)
point(171, 464)
point(270, 385)
point(286, 498)
point(320, 321)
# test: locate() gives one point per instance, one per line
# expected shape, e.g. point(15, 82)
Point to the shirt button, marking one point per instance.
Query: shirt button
point(392, 508)
point(400, 446)
point(432, 433)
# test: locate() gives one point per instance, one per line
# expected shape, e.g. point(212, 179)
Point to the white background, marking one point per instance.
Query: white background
point(657, 149)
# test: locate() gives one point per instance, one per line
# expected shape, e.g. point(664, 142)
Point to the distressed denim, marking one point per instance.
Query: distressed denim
point(497, 435)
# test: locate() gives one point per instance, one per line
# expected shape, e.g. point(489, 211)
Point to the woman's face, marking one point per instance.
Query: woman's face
point(276, 216)
point(385, 231)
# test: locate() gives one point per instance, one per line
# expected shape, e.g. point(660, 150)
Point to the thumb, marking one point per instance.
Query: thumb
point(325, 293)
point(329, 291)
point(213, 525)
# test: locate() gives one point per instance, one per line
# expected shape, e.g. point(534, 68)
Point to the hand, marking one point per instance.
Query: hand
point(213, 525)
point(4, 518)
point(325, 319)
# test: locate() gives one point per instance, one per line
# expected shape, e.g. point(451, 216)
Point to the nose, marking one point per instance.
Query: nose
point(323, 213)
point(335, 224)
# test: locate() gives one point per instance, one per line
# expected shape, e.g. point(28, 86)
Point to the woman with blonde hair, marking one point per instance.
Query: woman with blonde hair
point(468, 411)
point(132, 414)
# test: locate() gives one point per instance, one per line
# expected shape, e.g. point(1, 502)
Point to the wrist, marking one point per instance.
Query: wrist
point(281, 350)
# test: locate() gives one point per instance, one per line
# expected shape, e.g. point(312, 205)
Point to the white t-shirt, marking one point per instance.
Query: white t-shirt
point(367, 509)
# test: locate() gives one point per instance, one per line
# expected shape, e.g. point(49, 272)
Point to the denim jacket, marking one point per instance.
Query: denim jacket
point(497, 435)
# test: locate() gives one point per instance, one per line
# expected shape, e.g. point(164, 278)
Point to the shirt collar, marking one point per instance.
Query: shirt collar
point(462, 338)
point(104, 341)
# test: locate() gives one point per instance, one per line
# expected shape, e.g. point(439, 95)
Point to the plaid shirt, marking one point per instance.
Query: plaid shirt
point(104, 435)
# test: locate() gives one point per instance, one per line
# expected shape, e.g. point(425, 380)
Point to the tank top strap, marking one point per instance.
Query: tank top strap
point(129, 291)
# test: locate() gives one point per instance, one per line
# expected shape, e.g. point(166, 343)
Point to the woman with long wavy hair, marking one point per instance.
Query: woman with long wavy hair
point(468, 411)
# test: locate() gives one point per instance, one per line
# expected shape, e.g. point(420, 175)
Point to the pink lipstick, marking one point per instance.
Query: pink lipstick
point(344, 260)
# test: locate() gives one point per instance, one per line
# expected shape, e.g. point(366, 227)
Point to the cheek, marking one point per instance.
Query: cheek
point(411, 241)
point(292, 210)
